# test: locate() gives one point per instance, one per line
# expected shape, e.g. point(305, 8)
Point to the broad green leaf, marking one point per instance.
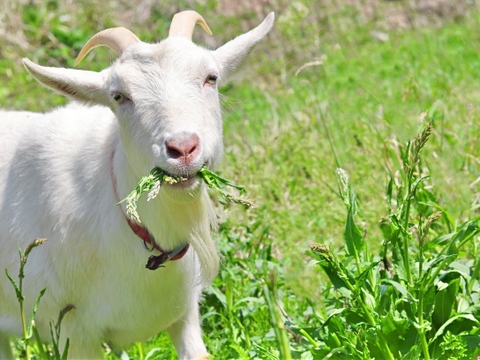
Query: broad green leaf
point(439, 241)
point(338, 274)
point(368, 298)
point(464, 233)
point(428, 300)
point(452, 320)
point(468, 230)
point(360, 279)
point(389, 193)
point(463, 268)
point(398, 261)
point(445, 300)
point(402, 289)
point(386, 227)
point(430, 266)
point(473, 342)
point(413, 354)
point(475, 275)
point(393, 322)
point(332, 317)
point(218, 294)
point(386, 299)
point(332, 274)
point(353, 236)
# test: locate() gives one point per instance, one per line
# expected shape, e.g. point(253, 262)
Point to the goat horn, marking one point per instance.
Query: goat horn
point(118, 39)
point(184, 22)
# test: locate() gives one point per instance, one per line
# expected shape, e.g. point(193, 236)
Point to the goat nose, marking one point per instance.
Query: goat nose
point(184, 148)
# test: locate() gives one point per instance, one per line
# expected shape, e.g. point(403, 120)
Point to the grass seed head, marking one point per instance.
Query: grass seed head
point(320, 248)
point(154, 191)
point(418, 144)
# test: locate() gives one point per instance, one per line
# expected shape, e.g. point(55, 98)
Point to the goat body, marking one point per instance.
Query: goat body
point(62, 172)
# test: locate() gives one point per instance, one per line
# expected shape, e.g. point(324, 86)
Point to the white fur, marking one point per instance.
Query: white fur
point(56, 183)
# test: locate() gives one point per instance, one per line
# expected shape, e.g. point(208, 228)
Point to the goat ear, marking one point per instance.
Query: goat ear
point(84, 86)
point(231, 55)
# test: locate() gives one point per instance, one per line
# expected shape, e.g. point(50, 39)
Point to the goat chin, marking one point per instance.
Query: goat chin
point(183, 194)
point(192, 209)
point(201, 238)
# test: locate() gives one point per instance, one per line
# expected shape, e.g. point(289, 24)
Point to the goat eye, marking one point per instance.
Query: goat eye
point(211, 79)
point(119, 98)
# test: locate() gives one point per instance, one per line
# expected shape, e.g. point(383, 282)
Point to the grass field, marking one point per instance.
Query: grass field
point(328, 90)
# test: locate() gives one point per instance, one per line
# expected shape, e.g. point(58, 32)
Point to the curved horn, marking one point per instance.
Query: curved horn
point(118, 39)
point(184, 22)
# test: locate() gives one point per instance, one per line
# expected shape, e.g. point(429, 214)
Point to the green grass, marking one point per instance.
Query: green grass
point(354, 107)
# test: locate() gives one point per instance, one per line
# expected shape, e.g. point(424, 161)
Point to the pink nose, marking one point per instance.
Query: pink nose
point(184, 148)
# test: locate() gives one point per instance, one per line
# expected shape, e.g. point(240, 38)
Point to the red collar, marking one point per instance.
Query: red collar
point(154, 262)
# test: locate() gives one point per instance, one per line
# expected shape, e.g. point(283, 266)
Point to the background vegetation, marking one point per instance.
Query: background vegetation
point(337, 84)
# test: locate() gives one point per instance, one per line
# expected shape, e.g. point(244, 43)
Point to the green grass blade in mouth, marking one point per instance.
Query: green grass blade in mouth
point(215, 181)
point(151, 184)
point(157, 177)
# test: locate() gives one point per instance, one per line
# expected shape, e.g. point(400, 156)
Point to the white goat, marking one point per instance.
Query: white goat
point(61, 174)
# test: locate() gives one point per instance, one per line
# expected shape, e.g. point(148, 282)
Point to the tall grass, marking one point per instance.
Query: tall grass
point(415, 299)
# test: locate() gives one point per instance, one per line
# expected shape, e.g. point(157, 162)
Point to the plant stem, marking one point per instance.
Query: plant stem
point(276, 320)
point(385, 348)
point(21, 301)
point(310, 339)
point(421, 327)
point(405, 236)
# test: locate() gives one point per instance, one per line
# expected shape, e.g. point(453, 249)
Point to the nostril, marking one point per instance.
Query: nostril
point(173, 152)
point(183, 147)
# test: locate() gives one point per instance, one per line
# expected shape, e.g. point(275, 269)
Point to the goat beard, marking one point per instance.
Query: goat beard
point(199, 219)
point(202, 242)
point(186, 215)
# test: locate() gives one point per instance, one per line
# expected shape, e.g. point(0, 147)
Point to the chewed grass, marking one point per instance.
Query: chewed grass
point(152, 183)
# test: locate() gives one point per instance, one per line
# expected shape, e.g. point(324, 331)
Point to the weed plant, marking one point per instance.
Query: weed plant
point(419, 299)
point(414, 297)
point(31, 345)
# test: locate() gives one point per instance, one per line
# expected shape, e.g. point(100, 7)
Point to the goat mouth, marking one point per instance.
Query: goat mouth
point(180, 181)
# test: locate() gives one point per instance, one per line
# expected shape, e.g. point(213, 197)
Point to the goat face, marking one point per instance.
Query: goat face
point(164, 96)
point(166, 101)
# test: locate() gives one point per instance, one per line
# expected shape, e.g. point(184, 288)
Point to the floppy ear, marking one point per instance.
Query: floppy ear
point(84, 86)
point(231, 55)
